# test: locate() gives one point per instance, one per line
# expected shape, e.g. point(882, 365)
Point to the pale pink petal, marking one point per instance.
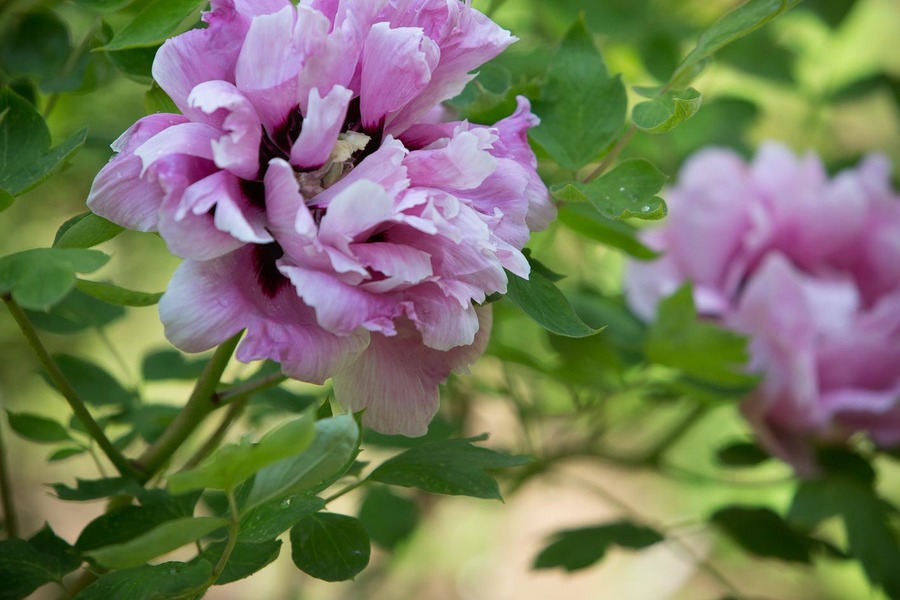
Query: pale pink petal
point(237, 150)
point(384, 167)
point(402, 266)
point(190, 139)
point(321, 125)
point(234, 214)
point(288, 217)
point(354, 214)
point(463, 164)
point(443, 321)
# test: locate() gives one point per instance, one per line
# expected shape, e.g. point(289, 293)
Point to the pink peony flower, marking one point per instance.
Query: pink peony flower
point(809, 268)
point(318, 201)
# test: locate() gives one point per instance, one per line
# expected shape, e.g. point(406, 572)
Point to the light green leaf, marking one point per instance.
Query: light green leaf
point(629, 190)
point(164, 538)
point(540, 299)
point(581, 108)
point(330, 547)
point(114, 294)
point(103, 6)
point(42, 277)
point(158, 21)
point(233, 463)
point(666, 111)
point(85, 231)
point(587, 221)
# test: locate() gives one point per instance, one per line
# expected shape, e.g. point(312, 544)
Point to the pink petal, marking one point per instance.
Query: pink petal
point(354, 214)
point(238, 150)
point(400, 395)
point(289, 219)
point(321, 126)
point(443, 321)
point(463, 164)
point(384, 167)
point(402, 266)
point(234, 214)
point(190, 139)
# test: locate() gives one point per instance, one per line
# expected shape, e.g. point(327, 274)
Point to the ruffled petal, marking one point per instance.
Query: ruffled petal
point(321, 126)
point(189, 139)
point(237, 150)
point(463, 164)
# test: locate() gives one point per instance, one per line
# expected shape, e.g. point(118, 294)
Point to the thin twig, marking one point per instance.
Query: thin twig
point(610, 158)
point(65, 388)
point(215, 439)
point(10, 518)
point(245, 390)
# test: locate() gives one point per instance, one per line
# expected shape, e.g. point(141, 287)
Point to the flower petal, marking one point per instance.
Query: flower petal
point(321, 125)
point(237, 150)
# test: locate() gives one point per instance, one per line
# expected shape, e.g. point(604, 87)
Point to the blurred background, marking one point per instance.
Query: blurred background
point(825, 77)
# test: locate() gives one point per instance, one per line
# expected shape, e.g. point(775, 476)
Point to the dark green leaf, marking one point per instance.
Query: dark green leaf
point(136, 63)
point(160, 540)
point(93, 384)
point(37, 428)
point(233, 463)
point(149, 420)
point(37, 47)
point(742, 454)
point(576, 549)
point(151, 582)
point(22, 569)
point(64, 453)
point(269, 520)
point(702, 350)
point(95, 489)
point(60, 557)
point(170, 364)
point(114, 294)
point(388, 518)
point(75, 313)
point(122, 524)
point(667, 110)
point(246, 559)
point(629, 190)
point(85, 231)
point(582, 107)
point(41, 278)
point(763, 533)
point(329, 546)
point(26, 158)
point(615, 233)
point(734, 25)
point(329, 456)
point(157, 101)
point(455, 467)
point(6, 199)
point(540, 299)
point(156, 22)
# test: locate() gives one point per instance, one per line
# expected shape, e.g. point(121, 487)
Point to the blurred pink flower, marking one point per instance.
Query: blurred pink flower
point(319, 201)
point(809, 268)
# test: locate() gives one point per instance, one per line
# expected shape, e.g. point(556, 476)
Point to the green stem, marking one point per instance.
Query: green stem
point(215, 439)
point(10, 520)
point(66, 389)
point(245, 390)
point(233, 530)
point(610, 158)
point(346, 490)
point(199, 405)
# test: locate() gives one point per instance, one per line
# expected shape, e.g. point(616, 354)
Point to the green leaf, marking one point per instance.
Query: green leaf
point(136, 63)
point(762, 532)
point(38, 47)
point(149, 420)
point(85, 231)
point(158, 21)
point(629, 190)
point(60, 557)
point(233, 463)
point(388, 518)
point(103, 6)
point(151, 582)
point(170, 364)
point(94, 384)
point(37, 428)
point(41, 278)
point(734, 25)
point(540, 299)
point(6, 199)
point(454, 467)
point(666, 111)
point(122, 524)
point(75, 313)
point(702, 350)
point(742, 454)
point(576, 549)
point(157, 101)
point(26, 158)
point(64, 453)
point(27, 565)
point(585, 220)
point(269, 520)
point(163, 538)
point(95, 489)
point(245, 560)
point(114, 294)
point(582, 108)
point(329, 456)
point(330, 547)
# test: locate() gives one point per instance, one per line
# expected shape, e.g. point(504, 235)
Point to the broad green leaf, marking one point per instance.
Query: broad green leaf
point(629, 190)
point(454, 467)
point(269, 520)
point(95, 489)
point(41, 278)
point(158, 21)
point(149, 420)
point(703, 351)
point(540, 299)
point(739, 22)
point(75, 313)
point(576, 549)
point(60, 557)
point(163, 538)
point(329, 456)
point(136, 63)
point(330, 547)
point(388, 518)
point(37, 47)
point(26, 158)
point(37, 428)
point(121, 525)
point(27, 565)
point(6, 199)
point(114, 294)
point(762, 532)
point(93, 383)
point(667, 110)
point(103, 6)
point(585, 220)
point(233, 463)
point(742, 454)
point(246, 558)
point(85, 231)
point(157, 101)
point(170, 364)
point(582, 108)
point(151, 582)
